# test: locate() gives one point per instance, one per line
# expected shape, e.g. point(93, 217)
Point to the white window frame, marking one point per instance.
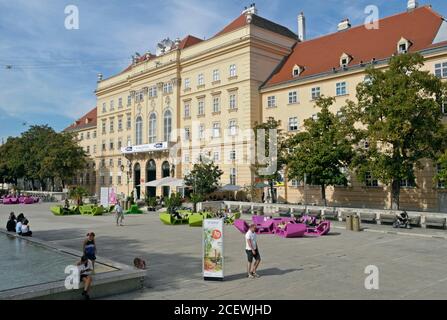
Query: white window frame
point(233, 101)
point(233, 70)
point(315, 93)
point(201, 107)
point(293, 124)
point(293, 97)
point(341, 88)
point(216, 104)
point(441, 70)
point(216, 129)
point(201, 79)
point(271, 102)
point(216, 75)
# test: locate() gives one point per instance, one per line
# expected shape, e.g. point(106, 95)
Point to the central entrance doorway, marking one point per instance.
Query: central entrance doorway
point(137, 180)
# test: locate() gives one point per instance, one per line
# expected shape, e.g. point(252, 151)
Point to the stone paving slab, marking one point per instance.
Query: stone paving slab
point(332, 267)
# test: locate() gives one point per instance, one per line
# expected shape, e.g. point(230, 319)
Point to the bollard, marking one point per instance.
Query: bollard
point(356, 223)
point(349, 222)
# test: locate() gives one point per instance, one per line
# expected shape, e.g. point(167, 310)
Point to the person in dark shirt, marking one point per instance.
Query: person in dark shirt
point(11, 224)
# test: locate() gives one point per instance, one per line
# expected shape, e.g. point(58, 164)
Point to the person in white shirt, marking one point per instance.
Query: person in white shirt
point(252, 250)
point(26, 232)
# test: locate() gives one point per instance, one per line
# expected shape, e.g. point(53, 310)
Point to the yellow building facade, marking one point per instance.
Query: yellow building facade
point(199, 98)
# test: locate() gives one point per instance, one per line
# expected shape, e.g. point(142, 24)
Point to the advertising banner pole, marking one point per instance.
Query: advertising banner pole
point(213, 250)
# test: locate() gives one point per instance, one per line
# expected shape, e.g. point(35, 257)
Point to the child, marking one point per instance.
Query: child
point(89, 248)
point(139, 263)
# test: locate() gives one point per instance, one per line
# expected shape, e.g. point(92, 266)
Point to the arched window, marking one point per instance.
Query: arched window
point(167, 125)
point(153, 128)
point(139, 131)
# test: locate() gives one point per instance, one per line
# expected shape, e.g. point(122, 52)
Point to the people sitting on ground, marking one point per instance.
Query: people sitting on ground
point(11, 224)
point(85, 267)
point(139, 263)
point(20, 219)
point(26, 232)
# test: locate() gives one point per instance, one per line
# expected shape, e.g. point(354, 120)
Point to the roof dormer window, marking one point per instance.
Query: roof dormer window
point(403, 45)
point(297, 70)
point(345, 59)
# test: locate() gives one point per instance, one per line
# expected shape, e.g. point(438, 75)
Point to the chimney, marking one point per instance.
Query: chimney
point(100, 77)
point(412, 4)
point(344, 25)
point(301, 27)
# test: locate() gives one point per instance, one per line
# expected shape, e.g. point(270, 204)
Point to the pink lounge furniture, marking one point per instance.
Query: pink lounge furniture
point(10, 200)
point(292, 230)
point(241, 225)
point(322, 229)
point(29, 200)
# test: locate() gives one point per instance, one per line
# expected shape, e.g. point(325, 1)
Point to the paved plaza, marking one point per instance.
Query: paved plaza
point(331, 267)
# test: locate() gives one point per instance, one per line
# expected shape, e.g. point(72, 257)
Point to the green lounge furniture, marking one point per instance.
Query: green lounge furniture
point(169, 219)
point(61, 211)
point(134, 210)
point(232, 217)
point(91, 210)
point(196, 219)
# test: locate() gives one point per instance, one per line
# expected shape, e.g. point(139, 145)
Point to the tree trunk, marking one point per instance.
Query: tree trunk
point(323, 194)
point(395, 194)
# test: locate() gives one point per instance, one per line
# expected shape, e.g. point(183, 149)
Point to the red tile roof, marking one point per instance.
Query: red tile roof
point(419, 26)
point(241, 21)
point(86, 121)
point(189, 41)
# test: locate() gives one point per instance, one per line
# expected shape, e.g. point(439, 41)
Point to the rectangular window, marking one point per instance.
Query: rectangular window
point(187, 112)
point(129, 100)
point(200, 80)
point(216, 75)
point(120, 103)
point(233, 71)
point(441, 70)
point(88, 149)
point(120, 124)
point(187, 83)
point(216, 156)
point(233, 101)
point(293, 97)
point(216, 104)
point(129, 141)
point(111, 145)
point(88, 135)
point(201, 108)
point(103, 126)
point(120, 143)
point(128, 122)
point(408, 183)
point(103, 145)
point(201, 131)
point(233, 176)
point(187, 134)
point(271, 102)
point(232, 127)
point(94, 149)
point(110, 180)
point(295, 183)
point(152, 92)
point(293, 124)
point(167, 87)
point(186, 157)
point(119, 180)
point(112, 105)
point(341, 89)
point(370, 181)
point(216, 129)
point(94, 134)
point(104, 108)
point(81, 136)
point(316, 93)
point(232, 155)
point(444, 107)
point(111, 125)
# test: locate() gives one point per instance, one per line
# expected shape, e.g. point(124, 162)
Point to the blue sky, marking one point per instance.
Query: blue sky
point(53, 75)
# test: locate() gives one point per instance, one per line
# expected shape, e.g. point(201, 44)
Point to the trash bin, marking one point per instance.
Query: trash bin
point(356, 223)
point(349, 222)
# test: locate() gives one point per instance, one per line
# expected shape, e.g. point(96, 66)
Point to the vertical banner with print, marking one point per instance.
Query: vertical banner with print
point(104, 200)
point(213, 258)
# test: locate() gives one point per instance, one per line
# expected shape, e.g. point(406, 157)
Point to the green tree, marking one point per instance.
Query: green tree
point(322, 152)
point(173, 203)
point(400, 113)
point(273, 155)
point(77, 194)
point(204, 178)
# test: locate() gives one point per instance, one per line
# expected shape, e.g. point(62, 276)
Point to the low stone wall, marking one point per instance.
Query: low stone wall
point(422, 219)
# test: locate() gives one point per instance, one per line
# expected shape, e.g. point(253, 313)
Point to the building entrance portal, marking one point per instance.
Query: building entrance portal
point(151, 175)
